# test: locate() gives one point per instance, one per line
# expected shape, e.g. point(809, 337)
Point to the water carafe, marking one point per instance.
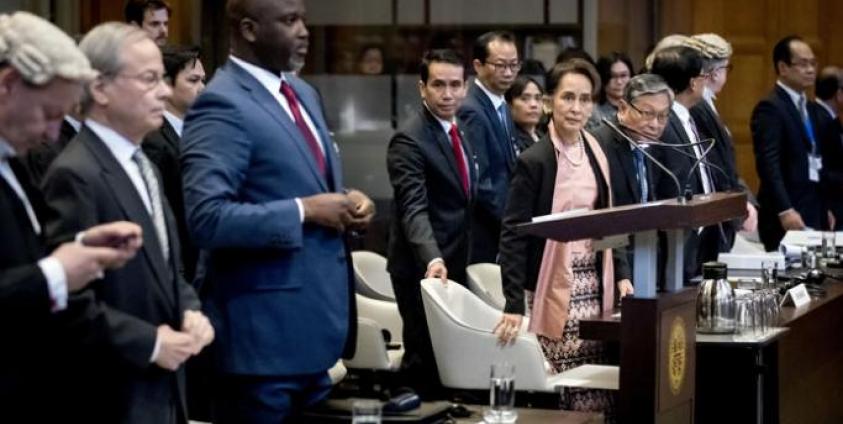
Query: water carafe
point(715, 301)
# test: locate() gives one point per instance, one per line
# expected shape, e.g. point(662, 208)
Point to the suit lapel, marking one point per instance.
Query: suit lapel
point(443, 143)
point(791, 109)
point(314, 110)
point(21, 217)
point(627, 160)
point(127, 197)
point(268, 103)
point(170, 135)
point(503, 145)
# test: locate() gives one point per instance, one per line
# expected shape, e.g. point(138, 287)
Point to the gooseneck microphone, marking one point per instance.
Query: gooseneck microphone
point(679, 193)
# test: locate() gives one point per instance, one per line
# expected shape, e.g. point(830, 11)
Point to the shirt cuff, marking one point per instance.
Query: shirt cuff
point(433, 261)
point(56, 282)
point(301, 209)
point(155, 350)
point(79, 237)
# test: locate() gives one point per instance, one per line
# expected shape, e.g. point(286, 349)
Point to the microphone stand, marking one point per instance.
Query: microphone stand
point(679, 193)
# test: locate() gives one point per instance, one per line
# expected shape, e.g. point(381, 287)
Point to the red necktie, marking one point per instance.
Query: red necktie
point(312, 143)
point(456, 146)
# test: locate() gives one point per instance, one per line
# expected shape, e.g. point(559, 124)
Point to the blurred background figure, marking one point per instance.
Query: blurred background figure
point(615, 70)
point(153, 16)
point(525, 99)
point(829, 90)
point(370, 60)
point(184, 73)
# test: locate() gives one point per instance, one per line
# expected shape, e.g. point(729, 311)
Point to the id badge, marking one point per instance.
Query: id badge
point(815, 165)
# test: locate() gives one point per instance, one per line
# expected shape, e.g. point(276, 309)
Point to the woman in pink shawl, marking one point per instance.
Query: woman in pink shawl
point(562, 282)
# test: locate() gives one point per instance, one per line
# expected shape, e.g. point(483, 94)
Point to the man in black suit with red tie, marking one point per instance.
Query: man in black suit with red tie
point(432, 172)
point(787, 135)
point(34, 283)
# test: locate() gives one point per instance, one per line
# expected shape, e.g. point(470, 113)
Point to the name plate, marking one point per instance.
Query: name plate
point(797, 296)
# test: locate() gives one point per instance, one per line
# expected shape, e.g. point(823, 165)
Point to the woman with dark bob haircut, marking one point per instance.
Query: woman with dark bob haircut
point(615, 70)
point(525, 98)
point(561, 282)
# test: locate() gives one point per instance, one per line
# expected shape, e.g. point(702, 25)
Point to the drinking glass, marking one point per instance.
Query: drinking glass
point(366, 411)
point(745, 315)
point(769, 273)
point(829, 247)
point(501, 394)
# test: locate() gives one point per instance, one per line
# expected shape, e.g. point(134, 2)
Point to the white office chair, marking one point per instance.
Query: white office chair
point(374, 316)
point(484, 280)
point(370, 276)
point(461, 331)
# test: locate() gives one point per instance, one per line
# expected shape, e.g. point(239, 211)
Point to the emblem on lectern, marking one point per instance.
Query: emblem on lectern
point(676, 355)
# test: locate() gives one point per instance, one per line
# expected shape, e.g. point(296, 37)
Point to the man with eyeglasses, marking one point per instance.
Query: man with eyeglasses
point(145, 321)
point(642, 114)
point(488, 123)
point(716, 53)
point(681, 67)
point(788, 135)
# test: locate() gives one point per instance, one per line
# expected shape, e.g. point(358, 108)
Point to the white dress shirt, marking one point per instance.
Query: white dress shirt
point(272, 83)
point(123, 150)
point(685, 117)
point(497, 99)
point(51, 267)
point(73, 122)
point(175, 122)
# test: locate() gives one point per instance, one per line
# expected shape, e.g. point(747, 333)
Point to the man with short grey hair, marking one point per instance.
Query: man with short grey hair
point(41, 76)
point(642, 115)
point(145, 321)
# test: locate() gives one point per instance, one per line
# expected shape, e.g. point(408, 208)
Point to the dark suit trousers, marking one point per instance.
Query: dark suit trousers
point(266, 400)
point(419, 364)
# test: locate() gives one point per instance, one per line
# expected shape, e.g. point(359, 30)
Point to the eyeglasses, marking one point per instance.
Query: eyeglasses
point(727, 68)
point(650, 115)
point(148, 79)
point(500, 66)
point(569, 99)
point(804, 63)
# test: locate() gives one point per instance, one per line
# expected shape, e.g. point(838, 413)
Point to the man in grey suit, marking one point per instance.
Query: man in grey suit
point(143, 321)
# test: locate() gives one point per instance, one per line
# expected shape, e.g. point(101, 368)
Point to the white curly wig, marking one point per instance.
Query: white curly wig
point(713, 46)
point(39, 51)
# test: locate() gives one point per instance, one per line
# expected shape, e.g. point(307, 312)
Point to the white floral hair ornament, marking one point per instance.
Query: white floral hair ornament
point(39, 51)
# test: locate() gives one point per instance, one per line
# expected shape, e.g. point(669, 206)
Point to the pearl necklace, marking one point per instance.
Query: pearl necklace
point(580, 149)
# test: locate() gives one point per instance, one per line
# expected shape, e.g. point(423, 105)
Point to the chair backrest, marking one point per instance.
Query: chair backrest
point(461, 333)
point(371, 350)
point(370, 275)
point(484, 280)
point(382, 312)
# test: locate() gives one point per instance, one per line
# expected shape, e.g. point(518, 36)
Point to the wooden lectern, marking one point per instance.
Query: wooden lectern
point(658, 331)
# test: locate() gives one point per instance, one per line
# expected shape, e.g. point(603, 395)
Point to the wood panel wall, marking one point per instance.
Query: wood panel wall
point(184, 19)
point(753, 27)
